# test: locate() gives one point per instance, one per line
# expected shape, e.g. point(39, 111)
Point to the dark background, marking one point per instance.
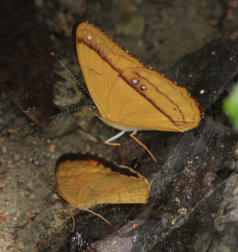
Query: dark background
point(159, 33)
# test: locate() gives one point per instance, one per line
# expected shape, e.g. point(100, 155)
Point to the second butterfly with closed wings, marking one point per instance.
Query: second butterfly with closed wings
point(86, 180)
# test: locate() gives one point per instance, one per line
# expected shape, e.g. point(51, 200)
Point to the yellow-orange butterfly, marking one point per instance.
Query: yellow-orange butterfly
point(85, 180)
point(129, 95)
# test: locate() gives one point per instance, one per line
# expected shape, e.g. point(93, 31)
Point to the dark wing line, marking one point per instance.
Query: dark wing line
point(154, 104)
point(104, 57)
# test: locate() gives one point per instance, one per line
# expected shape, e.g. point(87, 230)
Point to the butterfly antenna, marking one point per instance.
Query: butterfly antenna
point(39, 213)
point(70, 73)
point(54, 190)
point(72, 110)
point(92, 107)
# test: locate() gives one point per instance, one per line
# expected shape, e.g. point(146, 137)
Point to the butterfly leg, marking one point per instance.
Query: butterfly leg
point(114, 138)
point(72, 216)
point(90, 211)
point(132, 135)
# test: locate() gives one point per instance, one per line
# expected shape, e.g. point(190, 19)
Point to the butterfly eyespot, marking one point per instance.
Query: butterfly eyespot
point(89, 37)
point(97, 42)
point(134, 81)
point(143, 87)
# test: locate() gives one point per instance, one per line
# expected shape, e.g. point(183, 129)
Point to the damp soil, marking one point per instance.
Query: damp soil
point(159, 33)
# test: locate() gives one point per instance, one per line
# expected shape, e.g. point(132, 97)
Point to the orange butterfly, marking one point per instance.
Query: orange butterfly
point(86, 180)
point(128, 95)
